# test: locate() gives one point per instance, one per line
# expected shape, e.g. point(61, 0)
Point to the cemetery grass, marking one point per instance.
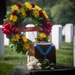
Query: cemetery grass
point(64, 56)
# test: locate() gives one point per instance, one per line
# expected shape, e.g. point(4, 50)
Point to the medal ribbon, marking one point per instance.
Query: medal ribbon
point(42, 52)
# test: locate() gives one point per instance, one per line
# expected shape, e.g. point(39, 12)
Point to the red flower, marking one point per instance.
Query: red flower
point(44, 20)
point(20, 39)
point(49, 25)
point(17, 22)
point(7, 25)
point(33, 5)
point(5, 31)
point(46, 31)
point(8, 28)
point(14, 30)
point(4, 23)
point(14, 13)
point(38, 39)
point(19, 5)
point(28, 12)
point(41, 13)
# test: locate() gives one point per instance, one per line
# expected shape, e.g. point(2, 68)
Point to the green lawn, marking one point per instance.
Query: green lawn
point(64, 56)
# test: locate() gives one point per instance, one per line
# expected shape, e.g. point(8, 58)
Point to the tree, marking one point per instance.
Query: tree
point(63, 12)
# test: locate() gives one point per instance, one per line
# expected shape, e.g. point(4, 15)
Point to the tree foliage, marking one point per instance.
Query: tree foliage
point(41, 3)
point(59, 11)
point(63, 12)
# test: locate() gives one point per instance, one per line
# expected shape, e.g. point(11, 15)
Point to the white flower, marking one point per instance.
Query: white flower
point(30, 67)
point(32, 58)
point(38, 64)
point(36, 60)
point(38, 68)
point(29, 64)
point(33, 63)
point(8, 12)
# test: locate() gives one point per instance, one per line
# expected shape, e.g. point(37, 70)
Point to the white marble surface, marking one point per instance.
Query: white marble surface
point(69, 33)
point(1, 43)
point(57, 36)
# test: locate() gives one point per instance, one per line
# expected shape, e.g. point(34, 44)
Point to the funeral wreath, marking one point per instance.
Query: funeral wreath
point(14, 19)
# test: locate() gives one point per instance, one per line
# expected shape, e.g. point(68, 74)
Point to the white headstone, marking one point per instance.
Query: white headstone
point(31, 35)
point(63, 31)
point(69, 33)
point(57, 36)
point(6, 40)
point(74, 31)
point(74, 51)
point(1, 44)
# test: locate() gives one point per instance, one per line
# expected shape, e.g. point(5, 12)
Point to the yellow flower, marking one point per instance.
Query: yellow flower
point(45, 14)
point(42, 35)
point(23, 12)
point(24, 38)
point(26, 46)
point(15, 7)
point(37, 8)
point(36, 13)
point(13, 18)
point(15, 37)
point(48, 37)
point(28, 5)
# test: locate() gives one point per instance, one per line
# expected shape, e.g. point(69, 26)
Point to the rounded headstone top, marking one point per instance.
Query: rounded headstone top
point(69, 24)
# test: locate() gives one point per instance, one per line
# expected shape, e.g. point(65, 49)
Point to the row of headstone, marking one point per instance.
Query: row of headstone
point(56, 36)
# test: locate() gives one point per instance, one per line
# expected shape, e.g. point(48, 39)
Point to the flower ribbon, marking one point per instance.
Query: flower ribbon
point(42, 52)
